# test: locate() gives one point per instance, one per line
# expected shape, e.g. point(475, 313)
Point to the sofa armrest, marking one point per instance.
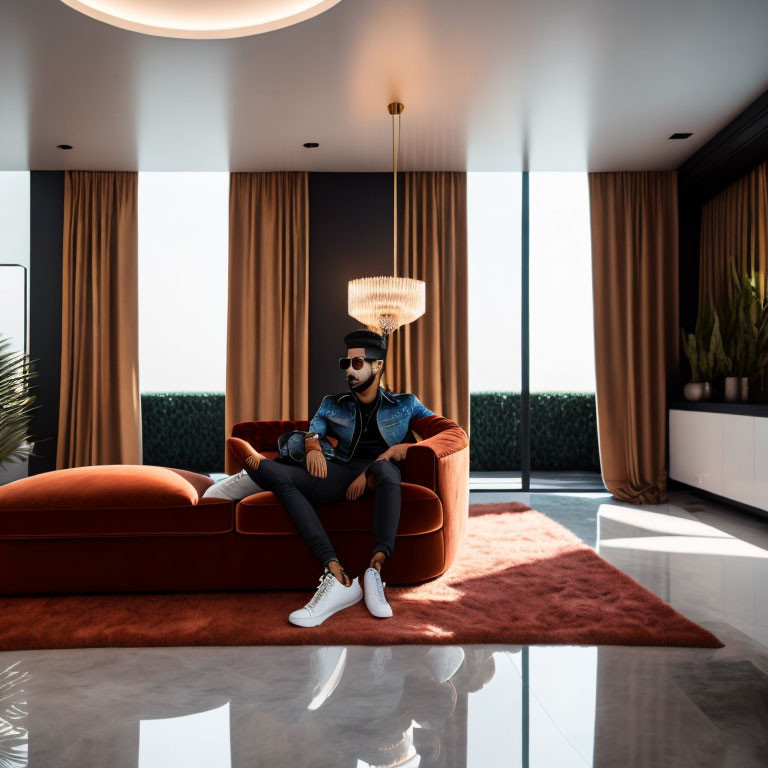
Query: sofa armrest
point(262, 435)
point(440, 437)
point(440, 461)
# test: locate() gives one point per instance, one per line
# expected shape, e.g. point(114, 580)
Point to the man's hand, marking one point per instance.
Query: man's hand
point(396, 452)
point(356, 487)
point(316, 464)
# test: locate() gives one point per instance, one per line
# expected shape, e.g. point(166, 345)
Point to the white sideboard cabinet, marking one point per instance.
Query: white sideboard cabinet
point(721, 448)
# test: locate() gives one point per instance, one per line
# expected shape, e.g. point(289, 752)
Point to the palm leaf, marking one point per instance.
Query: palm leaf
point(16, 402)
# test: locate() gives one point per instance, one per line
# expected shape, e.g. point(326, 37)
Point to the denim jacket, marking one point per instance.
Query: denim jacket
point(339, 416)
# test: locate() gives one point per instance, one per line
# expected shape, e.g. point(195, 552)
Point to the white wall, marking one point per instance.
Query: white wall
point(14, 249)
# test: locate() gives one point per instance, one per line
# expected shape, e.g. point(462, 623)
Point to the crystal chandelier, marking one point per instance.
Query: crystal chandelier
point(385, 303)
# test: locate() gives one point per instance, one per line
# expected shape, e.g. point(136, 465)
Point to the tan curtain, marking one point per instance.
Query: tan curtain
point(99, 410)
point(634, 278)
point(734, 230)
point(268, 315)
point(430, 357)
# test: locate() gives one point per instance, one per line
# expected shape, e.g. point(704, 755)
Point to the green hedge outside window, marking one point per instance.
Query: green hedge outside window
point(186, 430)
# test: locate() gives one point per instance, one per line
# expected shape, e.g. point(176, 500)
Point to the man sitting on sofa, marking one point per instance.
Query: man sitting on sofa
point(368, 424)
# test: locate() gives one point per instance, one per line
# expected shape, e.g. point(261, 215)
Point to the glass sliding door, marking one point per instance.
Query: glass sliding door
point(494, 277)
point(531, 337)
point(563, 427)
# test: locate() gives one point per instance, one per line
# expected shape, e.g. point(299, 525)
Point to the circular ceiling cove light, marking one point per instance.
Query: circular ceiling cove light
point(201, 19)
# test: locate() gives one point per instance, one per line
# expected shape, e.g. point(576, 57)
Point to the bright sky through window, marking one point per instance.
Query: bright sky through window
point(183, 244)
point(493, 230)
point(562, 334)
point(561, 331)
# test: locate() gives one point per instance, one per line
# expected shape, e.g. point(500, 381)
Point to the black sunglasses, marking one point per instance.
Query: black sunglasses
point(357, 362)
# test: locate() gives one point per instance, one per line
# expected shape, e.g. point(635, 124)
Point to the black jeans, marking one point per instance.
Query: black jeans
point(299, 492)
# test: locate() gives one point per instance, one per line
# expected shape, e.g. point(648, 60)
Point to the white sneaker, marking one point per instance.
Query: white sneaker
point(327, 667)
point(331, 596)
point(234, 487)
point(374, 594)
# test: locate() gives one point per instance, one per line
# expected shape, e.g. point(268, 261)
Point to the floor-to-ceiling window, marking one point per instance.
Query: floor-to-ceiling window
point(563, 427)
point(494, 231)
point(183, 261)
point(531, 359)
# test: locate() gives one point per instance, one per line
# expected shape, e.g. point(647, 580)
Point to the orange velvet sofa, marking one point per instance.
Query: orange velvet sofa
point(131, 528)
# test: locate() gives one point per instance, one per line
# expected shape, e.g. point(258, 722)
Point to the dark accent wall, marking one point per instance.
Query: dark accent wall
point(350, 236)
point(45, 245)
point(734, 151)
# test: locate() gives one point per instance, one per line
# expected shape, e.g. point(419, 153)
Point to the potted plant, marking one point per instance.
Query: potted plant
point(15, 408)
point(745, 335)
point(704, 350)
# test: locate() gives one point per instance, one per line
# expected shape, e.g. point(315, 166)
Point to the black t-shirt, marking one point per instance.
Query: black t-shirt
point(371, 444)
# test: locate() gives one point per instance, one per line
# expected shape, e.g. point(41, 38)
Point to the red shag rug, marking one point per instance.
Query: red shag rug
point(520, 578)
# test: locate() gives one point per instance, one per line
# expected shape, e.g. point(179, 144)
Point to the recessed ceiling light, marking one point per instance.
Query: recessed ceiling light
point(63, 146)
point(311, 144)
point(680, 135)
point(201, 19)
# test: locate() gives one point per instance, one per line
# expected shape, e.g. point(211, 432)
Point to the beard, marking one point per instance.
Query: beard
point(362, 386)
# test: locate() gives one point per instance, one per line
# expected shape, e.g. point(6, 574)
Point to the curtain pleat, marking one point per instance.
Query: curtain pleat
point(100, 409)
point(430, 356)
point(268, 308)
point(635, 279)
point(734, 230)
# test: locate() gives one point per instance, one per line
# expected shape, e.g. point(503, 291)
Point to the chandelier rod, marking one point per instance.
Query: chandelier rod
point(395, 108)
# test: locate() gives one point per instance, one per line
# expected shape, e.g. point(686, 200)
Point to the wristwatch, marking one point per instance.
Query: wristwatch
point(312, 442)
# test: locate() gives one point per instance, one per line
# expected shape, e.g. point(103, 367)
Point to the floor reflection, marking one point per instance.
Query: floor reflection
point(356, 706)
point(199, 740)
point(14, 737)
point(366, 707)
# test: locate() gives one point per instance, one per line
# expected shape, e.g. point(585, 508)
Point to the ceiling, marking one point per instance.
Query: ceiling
point(488, 85)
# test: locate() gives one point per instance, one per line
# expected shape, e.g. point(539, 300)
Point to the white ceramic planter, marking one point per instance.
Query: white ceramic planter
point(694, 390)
point(744, 389)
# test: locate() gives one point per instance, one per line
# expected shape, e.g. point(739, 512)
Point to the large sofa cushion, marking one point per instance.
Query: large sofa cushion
point(421, 512)
point(200, 483)
point(110, 500)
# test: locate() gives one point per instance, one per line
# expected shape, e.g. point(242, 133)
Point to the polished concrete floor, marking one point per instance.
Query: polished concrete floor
point(479, 706)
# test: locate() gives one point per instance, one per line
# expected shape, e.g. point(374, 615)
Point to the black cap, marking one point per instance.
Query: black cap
point(375, 344)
